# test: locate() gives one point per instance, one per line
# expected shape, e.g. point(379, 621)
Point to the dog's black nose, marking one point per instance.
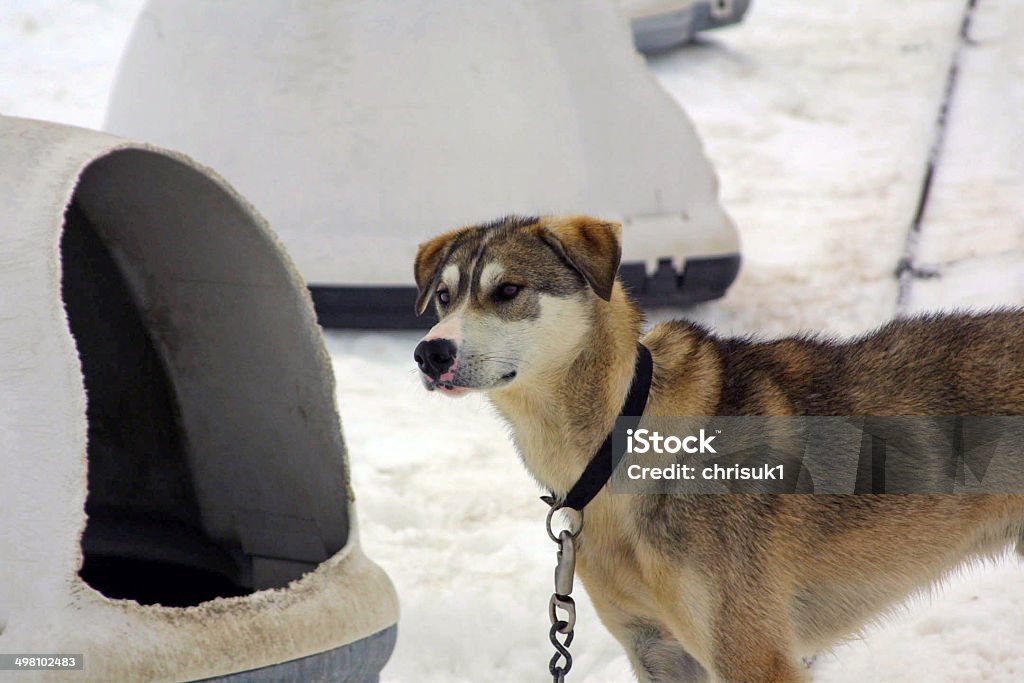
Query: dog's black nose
point(435, 356)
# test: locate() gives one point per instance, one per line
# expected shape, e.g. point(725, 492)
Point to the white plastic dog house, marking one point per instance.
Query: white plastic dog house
point(363, 128)
point(174, 501)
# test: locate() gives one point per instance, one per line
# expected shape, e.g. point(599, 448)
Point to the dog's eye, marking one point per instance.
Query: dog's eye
point(507, 292)
point(444, 296)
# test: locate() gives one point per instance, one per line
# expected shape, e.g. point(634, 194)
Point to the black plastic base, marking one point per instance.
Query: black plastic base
point(391, 308)
point(358, 662)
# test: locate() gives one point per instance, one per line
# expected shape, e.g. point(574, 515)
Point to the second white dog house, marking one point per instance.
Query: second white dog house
point(174, 499)
point(363, 128)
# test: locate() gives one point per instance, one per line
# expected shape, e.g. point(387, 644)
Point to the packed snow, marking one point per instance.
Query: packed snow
point(819, 118)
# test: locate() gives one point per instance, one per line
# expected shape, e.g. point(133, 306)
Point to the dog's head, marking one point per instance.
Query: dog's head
point(515, 298)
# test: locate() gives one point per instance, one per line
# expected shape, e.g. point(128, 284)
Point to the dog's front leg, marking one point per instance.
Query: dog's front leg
point(752, 643)
point(656, 657)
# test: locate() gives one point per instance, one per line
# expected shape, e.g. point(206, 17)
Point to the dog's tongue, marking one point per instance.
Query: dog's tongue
point(449, 390)
point(449, 376)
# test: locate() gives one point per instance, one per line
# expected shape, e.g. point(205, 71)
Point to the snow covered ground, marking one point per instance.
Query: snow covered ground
point(819, 118)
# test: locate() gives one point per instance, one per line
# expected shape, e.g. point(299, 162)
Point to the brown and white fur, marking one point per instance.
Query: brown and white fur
point(731, 587)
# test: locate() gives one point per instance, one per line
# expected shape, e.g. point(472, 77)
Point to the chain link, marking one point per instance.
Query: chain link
point(565, 569)
point(558, 671)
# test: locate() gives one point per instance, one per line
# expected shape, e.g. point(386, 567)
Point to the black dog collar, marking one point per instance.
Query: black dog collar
point(599, 469)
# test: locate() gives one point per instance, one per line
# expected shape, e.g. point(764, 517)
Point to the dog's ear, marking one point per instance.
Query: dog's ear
point(591, 246)
point(427, 266)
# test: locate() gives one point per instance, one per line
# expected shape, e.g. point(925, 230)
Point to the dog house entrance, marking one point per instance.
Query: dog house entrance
point(215, 462)
point(144, 538)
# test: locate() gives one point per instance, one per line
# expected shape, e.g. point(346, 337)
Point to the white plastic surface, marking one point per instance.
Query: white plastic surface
point(362, 128)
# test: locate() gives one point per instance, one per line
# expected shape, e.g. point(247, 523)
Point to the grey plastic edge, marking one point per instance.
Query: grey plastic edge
point(391, 308)
point(661, 32)
point(357, 662)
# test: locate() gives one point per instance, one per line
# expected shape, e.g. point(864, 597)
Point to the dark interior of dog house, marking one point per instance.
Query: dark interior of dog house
point(215, 459)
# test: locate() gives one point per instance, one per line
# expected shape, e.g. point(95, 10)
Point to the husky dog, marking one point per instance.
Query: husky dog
point(712, 587)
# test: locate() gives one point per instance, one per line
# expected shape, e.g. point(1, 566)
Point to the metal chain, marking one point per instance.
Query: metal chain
point(565, 570)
